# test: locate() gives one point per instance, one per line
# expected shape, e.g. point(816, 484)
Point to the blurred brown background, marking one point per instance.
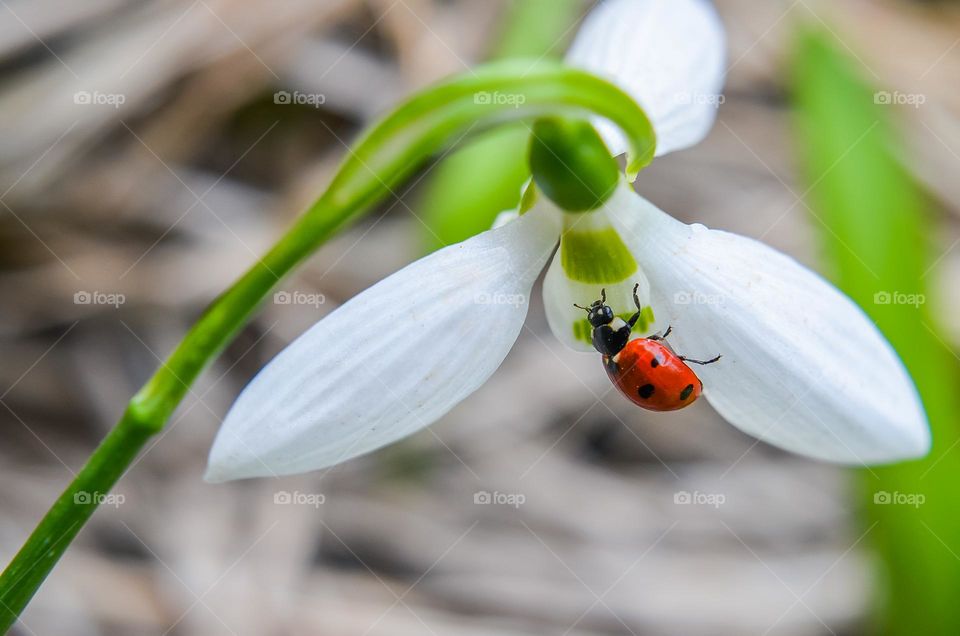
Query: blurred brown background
point(144, 163)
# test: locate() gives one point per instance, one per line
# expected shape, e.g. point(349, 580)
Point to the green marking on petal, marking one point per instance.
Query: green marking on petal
point(596, 256)
point(529, 198)
point(583, 330)
point(646, 319)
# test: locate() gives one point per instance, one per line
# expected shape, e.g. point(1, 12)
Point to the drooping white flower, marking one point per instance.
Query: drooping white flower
point(803, 367)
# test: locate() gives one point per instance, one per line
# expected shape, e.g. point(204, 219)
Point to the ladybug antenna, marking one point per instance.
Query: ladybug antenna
point(601, 302)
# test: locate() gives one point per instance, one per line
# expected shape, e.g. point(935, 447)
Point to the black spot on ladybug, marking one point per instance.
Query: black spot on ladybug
point(646, 391)
point(687, 390)
point(654, 363)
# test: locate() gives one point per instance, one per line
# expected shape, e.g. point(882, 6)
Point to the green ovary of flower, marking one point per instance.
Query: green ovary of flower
point(571, 164)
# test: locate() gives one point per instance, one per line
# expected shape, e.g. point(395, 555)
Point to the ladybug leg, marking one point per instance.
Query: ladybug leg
point(701, 362)
point(636, 300)
point(611, 365)
point(662, 337)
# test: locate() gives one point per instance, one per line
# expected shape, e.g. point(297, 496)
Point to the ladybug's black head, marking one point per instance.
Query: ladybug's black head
point(599, 313)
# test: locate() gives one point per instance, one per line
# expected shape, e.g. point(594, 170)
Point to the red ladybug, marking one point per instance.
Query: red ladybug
point(645, 370)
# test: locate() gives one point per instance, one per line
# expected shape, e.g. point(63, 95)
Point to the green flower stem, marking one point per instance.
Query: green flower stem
point(472, 185)
point(388, 154)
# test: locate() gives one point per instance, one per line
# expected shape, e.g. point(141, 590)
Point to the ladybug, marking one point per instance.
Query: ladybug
point(646, 370)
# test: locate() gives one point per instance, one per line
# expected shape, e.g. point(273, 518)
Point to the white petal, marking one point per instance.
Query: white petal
point(669, 55)
point(803, 367)
point(561, 291)
point(391, 361)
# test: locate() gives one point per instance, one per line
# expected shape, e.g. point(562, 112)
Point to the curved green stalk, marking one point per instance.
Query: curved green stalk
point(389, 153)
point(470, 186)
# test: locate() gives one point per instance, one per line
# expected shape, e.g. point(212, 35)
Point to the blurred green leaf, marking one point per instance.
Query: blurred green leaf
point(538, 27)
point(473, 184)
point(875, 231)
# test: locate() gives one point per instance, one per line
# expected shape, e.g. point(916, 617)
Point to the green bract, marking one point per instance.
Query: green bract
point(571, 164)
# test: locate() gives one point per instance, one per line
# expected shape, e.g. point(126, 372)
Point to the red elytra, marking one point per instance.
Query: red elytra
point(652, 376)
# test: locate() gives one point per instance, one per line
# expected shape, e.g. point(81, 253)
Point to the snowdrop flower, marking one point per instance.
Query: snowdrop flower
point(803, 368)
